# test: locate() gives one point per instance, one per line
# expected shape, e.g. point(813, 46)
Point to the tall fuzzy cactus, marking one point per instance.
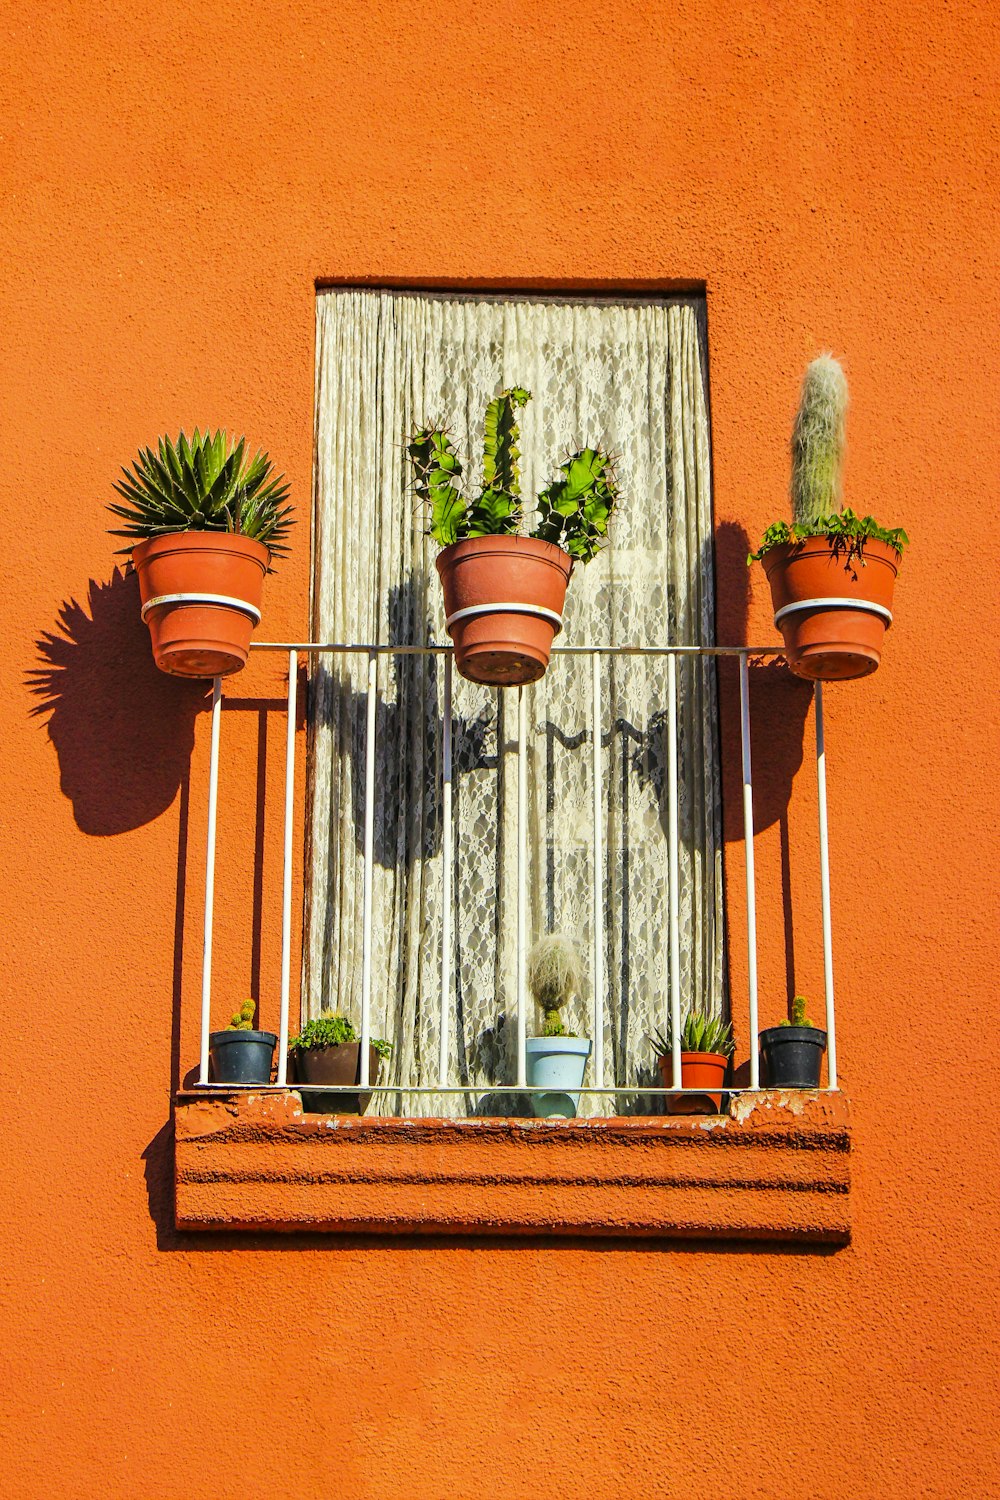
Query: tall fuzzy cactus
point(554, 977)
point(818, 443)
point(242, 1020)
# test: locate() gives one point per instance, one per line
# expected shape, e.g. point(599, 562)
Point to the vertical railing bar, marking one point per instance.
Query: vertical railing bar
point(446, 875)
point(206, 952)
point(824, 871)
point(522, 887)
point(674, 871)
point(751, 879)
point(597, 961)
point(366, 932)
point(286, 867)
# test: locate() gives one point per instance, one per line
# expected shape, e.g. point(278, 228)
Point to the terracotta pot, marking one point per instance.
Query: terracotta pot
point(338, 1064)
point(503, 603)
point(832, 613)
point(201, 595)
point(698, 1070)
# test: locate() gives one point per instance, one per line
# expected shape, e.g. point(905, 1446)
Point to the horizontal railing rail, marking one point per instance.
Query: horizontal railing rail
point(597, 654)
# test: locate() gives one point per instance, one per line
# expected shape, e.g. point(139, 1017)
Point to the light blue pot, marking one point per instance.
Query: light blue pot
point(557, 1063)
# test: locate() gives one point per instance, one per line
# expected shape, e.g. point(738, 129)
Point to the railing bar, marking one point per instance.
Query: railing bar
point(674, 871)
point(286, 867)
point(446, 875)
point(366, 931)
point(751, 879)
point(522, 887)
point(597, 856)
point(824, 869)
point(213, 806)
point(493, 1088)
point(367, 647)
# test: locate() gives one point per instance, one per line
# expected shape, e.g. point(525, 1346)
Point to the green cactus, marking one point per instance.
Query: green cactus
point(242, 1020)
point(818, 443)
point(798, 1017)
point(573, 511)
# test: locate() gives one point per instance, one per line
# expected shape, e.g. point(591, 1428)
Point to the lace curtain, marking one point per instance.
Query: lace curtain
point(630, 375)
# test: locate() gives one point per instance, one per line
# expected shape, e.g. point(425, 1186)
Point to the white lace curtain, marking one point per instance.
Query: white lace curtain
point(630, 375)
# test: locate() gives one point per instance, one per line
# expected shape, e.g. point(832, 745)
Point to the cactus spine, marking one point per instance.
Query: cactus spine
point(818, 443)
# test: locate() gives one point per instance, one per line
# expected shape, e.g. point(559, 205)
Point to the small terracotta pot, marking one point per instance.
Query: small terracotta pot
point(698, 1070)
point(832, 613)
point(338, 1064)
point(505, 647)
point(201, 595)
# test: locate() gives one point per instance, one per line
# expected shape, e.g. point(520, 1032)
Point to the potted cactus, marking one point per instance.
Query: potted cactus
point(792, 1053)
point(504, 591)
point(327, 1051)
point(831, 572)
point(240, 1054)
point(205, 522)
point(556, 1060)
point(706, 1047)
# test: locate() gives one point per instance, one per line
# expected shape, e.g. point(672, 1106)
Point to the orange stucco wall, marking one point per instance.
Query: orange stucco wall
point(175, 179)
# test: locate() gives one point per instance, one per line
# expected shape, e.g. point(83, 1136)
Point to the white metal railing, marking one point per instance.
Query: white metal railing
point(596, 654)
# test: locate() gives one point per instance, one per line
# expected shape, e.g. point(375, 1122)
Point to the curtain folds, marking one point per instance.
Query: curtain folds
point(630, 375)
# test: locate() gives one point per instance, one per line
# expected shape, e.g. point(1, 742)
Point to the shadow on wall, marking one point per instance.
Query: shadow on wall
point(123, 731)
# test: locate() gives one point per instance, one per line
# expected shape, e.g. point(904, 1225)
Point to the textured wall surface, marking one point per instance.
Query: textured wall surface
point(176, 178)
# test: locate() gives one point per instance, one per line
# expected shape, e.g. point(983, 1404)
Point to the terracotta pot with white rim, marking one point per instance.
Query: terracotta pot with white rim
point(503, 602)
point(831, 606)
point(201, 597)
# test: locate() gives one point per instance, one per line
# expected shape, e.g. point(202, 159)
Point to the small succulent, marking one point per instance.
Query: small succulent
point(798, 1016)
point(573, 511)
point(818, 445)
point(555, 975)
point(332, 1029)
point(242, 1019)
point(206, 484)
point(699, 1033)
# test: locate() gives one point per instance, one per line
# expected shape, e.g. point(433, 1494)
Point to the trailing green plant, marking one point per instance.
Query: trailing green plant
point(699, 1033)
point(573, 510)
point(242, 1020)
point(332, 1029)
point(206, 484)
point(818, 445)
point(798, 1016)
point(555, 975)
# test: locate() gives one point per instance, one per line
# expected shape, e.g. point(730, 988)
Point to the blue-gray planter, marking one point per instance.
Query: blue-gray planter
point(241, 1056)
point(556, 1063)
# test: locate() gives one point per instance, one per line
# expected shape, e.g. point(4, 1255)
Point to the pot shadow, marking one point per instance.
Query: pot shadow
point(123, 731)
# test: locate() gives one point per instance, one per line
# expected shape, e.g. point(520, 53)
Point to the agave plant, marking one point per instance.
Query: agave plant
point(203, 485)
point(573, 511)
point(699, 1033)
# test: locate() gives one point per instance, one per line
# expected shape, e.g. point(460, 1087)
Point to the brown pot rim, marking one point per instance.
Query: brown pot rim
point(187, 541)
point(873, 550)
point(548, 552)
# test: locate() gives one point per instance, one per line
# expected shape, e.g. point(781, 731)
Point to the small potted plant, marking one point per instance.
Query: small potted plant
point(504, 591)
point(205, 522)
point(327, 1051)
point(792, 1053)
point(706, 1047)
point(557, 1059)
point(831, 572)
point(240, 1054)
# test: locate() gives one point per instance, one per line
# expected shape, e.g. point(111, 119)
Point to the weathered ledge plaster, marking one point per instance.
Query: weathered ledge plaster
point(775, 1168)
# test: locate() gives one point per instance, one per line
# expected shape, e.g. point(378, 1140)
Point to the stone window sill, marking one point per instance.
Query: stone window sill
point(777, 1167)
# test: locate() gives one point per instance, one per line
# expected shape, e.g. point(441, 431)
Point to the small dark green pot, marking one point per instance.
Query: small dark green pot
point(792, 1056)
point(241, 1056)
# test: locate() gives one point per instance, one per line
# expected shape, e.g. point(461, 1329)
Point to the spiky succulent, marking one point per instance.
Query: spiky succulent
point(699, 1033)
point(243, 1018)
point(573, 511)
point(798, 1017)
point(554, 977)
point(203, 485)
point(331, 1029)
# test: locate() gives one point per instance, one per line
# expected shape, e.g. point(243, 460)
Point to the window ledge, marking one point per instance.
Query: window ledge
point(777, 1167)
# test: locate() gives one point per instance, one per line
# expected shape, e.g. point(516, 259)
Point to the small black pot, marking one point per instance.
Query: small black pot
point(241, 1056)
point(792, 1056)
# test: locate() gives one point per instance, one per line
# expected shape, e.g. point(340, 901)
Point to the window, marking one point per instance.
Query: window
point(629, 373)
